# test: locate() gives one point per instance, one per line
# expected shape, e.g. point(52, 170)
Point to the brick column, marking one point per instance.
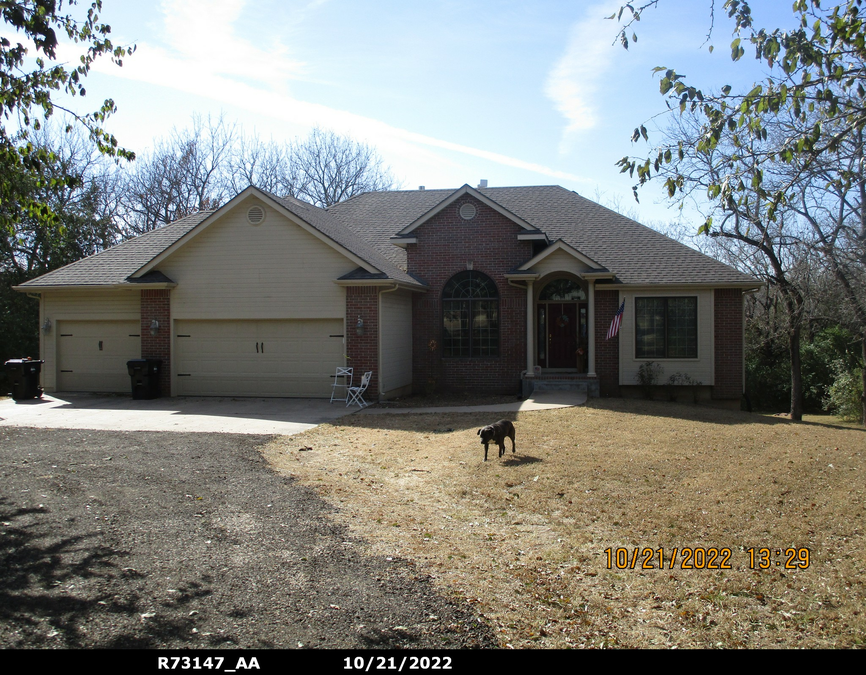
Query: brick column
point(606, 351)
point(363, 350)
point(728, 320)
point(156, 304)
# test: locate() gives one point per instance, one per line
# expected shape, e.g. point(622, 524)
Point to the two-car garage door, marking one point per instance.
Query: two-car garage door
point(258, 358)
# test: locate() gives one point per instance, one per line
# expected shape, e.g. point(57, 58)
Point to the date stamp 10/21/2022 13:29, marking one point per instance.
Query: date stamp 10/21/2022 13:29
point(699, 558)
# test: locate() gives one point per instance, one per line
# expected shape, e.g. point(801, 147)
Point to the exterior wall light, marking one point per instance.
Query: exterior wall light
point(46, 327)
point(154, 327)
point(359, 327)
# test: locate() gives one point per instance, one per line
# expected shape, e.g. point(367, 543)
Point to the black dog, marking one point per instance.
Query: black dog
point(497, 433)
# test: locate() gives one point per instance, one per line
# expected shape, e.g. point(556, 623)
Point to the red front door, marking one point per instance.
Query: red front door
point(562, 335)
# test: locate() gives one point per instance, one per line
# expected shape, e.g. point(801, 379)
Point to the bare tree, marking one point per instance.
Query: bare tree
point(204, 166)
point(756, 234)
point(265, 165)
point(78, 184)
point(187, 173)
point(830, 197)
point(327, 168)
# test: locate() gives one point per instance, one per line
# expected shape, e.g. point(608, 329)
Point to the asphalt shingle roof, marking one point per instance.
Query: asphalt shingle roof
point(114, 265)
point(365, 224)
point(634, 252)
point(334, 229)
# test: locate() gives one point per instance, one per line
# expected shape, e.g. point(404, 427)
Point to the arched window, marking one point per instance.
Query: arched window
point(470, 316)
point(562, 290)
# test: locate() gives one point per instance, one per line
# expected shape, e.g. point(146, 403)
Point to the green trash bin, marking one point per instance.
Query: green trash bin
point(145, 377)
point(23, 374)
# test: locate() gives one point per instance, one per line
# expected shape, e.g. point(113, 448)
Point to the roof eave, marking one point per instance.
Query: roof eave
point(690, 284)
point(418, 288)
point(162, 285)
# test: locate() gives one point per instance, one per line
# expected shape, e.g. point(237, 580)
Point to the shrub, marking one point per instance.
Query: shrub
point(648, 377)
point(683, 380)
point(844, 395)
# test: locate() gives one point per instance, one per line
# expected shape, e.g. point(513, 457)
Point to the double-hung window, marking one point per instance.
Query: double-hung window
point(470, 316)
point(666, 328)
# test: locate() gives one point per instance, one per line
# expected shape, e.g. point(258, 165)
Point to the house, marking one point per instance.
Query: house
point(495, 290)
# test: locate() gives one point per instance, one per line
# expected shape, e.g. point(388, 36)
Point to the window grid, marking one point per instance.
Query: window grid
point(666, 328)
point(470, 316)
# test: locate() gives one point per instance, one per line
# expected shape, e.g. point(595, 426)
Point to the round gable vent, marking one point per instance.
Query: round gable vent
point(468, 211)
point(255, 215)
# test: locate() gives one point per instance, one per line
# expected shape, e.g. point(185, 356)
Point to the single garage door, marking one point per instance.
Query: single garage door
point(258, 358)
point(92, 355)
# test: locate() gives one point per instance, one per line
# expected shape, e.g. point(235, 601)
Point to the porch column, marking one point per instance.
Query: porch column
point(530, 329)
point(591, 329)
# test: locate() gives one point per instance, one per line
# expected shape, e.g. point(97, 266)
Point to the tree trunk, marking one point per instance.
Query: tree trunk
point(863, 374)
point(796, 373)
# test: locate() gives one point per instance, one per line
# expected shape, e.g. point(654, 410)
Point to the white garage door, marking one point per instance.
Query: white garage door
point(258, 358)
point(92, 355)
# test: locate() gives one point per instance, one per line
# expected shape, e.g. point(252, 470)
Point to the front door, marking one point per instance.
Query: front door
point(561, 335)
point(562, 332)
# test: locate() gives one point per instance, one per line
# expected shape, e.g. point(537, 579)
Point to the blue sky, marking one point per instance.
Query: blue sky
point(518, 93)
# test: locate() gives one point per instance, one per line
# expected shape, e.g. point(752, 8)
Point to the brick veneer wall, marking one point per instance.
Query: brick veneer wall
point(156, 304)
point(606, 351)
point(446, 243)
point(363, 350)
point(728, 320)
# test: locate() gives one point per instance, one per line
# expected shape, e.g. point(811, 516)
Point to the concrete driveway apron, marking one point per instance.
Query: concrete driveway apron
point(193, 414)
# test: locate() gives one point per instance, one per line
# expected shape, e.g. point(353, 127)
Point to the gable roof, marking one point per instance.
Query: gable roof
point(133, 261)
point(635, 253)
point(363, 227)
point(453, 197)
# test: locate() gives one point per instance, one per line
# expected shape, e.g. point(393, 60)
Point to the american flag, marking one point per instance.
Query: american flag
point(617, 318)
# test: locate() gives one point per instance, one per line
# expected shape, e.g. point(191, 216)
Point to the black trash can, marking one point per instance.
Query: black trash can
point(145, 377)
point(23, 374)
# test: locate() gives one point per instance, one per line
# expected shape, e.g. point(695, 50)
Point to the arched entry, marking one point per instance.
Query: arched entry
point(562, 326)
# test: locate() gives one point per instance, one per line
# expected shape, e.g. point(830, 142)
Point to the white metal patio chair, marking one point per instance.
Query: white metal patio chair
point(346, 374)
point(356, 394)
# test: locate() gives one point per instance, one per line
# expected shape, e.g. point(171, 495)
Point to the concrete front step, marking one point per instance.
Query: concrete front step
point(575, 383)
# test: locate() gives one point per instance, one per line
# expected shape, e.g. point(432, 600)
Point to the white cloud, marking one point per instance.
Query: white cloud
point(573, 82)
point(204, 56)
point(202, 33)
point(201, 54)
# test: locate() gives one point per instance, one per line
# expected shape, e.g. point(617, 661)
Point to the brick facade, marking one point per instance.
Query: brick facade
point(728, 321)
point(156, 304)
point(448, 244)
point(363, 350)
point(606, 351)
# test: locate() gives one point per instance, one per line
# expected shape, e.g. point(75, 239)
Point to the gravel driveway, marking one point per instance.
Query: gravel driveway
point(151, 539)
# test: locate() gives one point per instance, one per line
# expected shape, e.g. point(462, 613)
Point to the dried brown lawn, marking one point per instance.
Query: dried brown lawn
point(524, 537)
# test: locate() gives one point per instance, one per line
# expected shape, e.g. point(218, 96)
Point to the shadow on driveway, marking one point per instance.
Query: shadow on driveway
point(171, 540)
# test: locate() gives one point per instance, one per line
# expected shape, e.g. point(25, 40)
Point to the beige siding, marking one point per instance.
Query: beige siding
point(274, 270)
point(560, 261)
point(395, 318)
point(91, 306)
point(701, 368)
